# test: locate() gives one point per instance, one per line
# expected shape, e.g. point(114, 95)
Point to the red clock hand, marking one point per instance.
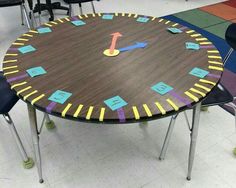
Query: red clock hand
point(113, 42)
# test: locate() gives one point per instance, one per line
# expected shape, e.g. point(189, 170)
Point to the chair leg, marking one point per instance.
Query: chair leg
point(70, 10)
point(80, 8)
point(94, 11)
point(27, 162)
point(49, 123)
point(168, 136)
point(35, 139)
point(26, 16)
point(22, 16)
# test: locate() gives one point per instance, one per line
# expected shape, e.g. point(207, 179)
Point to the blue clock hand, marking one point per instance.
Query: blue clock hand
point(136, 45)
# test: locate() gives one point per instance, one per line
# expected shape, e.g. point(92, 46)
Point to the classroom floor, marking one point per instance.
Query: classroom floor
point(81, 155)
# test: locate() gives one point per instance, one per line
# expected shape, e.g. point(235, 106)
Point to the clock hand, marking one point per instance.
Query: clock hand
point(114, 40)
point(136, 45)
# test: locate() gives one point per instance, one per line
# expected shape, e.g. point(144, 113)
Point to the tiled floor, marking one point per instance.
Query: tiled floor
point(118, 156)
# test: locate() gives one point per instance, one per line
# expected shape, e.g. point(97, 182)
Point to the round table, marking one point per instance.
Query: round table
point(111, 68)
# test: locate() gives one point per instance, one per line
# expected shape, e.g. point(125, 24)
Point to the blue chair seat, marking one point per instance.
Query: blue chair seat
point(7, 97)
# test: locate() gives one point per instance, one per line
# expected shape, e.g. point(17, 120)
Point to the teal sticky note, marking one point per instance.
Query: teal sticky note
point(161, 88)
point(107, 17)
point(115, 103)
point(26, 49)
point(36, 71)
point(142, 19)
point(200, 73)
point(192, 46)
point(174, 30)
point(78, 22)
point(59, 96)
point(44, 30)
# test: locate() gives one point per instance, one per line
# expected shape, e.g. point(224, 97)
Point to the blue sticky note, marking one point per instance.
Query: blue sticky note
point(115, 103)
point(198, 72)
point(59, 96)
point(44, 30)
point(36, 71)
point(161, 88)
point(26, 49)
point(192, 46)
point(107, 17)
point(142, 19)
point(78, 22)
point(174, 30)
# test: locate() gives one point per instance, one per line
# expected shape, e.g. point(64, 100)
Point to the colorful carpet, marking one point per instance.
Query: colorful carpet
point(212, 22)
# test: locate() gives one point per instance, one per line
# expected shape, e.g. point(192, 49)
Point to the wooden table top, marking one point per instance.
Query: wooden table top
point(73, 57)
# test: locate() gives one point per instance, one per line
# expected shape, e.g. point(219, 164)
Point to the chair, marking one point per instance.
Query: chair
point(218, 96)
point(21, 3)
point(70, 2)
point(8, 100)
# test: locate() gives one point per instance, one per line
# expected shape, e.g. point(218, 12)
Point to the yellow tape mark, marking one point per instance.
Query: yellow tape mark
point(30, 94)
point(216, 68)
point(99, 14)
point(22, 90)
point(147, 110)
point(207, 82)
point(176, 108)
point(175, 24)
point(160, 20)
point(33, 31)
point(18, 44)
point(47, 24)
point(198, 92)
point(215, 63)
point(203, 43)
point(129, 15)
point(88, 116)
point(67, 19)
point(21, 39)
point(123, 14)
point(19, 84)
point(93, 15)
point(12, 72)
point(162, 110)
point(167, 22)
point(10, 61)
point(76, 114)
point(116, 14)
point(214, 57)
point(63, 114)
point(11, 67)
point(195, 35)
point(190, 95)
point(81, 17)
point(136, 15)
point(55, 23)
point(202, 87)
point(11, 55)
point(190, 31)
point(136, 113)
point(86, 16)
point(37, 99)
point(102, 112)
point(201, 39)
point(153, 18)
point(60, 20)
point(212, 51)
point(27, 35)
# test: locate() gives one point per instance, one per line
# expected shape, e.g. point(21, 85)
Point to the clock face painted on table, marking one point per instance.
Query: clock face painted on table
point(112, 67)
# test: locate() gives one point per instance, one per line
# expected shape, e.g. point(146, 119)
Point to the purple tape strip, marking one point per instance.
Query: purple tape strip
point(13, 49)
point(121, 115)
point(181, 99)
point(206, 47)
point(17, 78)
point(183, 28)
point(74, 18)
point(214, 75)
point(50, 107)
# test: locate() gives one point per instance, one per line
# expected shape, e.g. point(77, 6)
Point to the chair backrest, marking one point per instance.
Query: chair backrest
point(8, 3)
point(230, 35)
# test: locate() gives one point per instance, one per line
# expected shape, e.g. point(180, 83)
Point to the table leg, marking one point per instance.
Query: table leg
point(193, 134)
point(35, 139)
